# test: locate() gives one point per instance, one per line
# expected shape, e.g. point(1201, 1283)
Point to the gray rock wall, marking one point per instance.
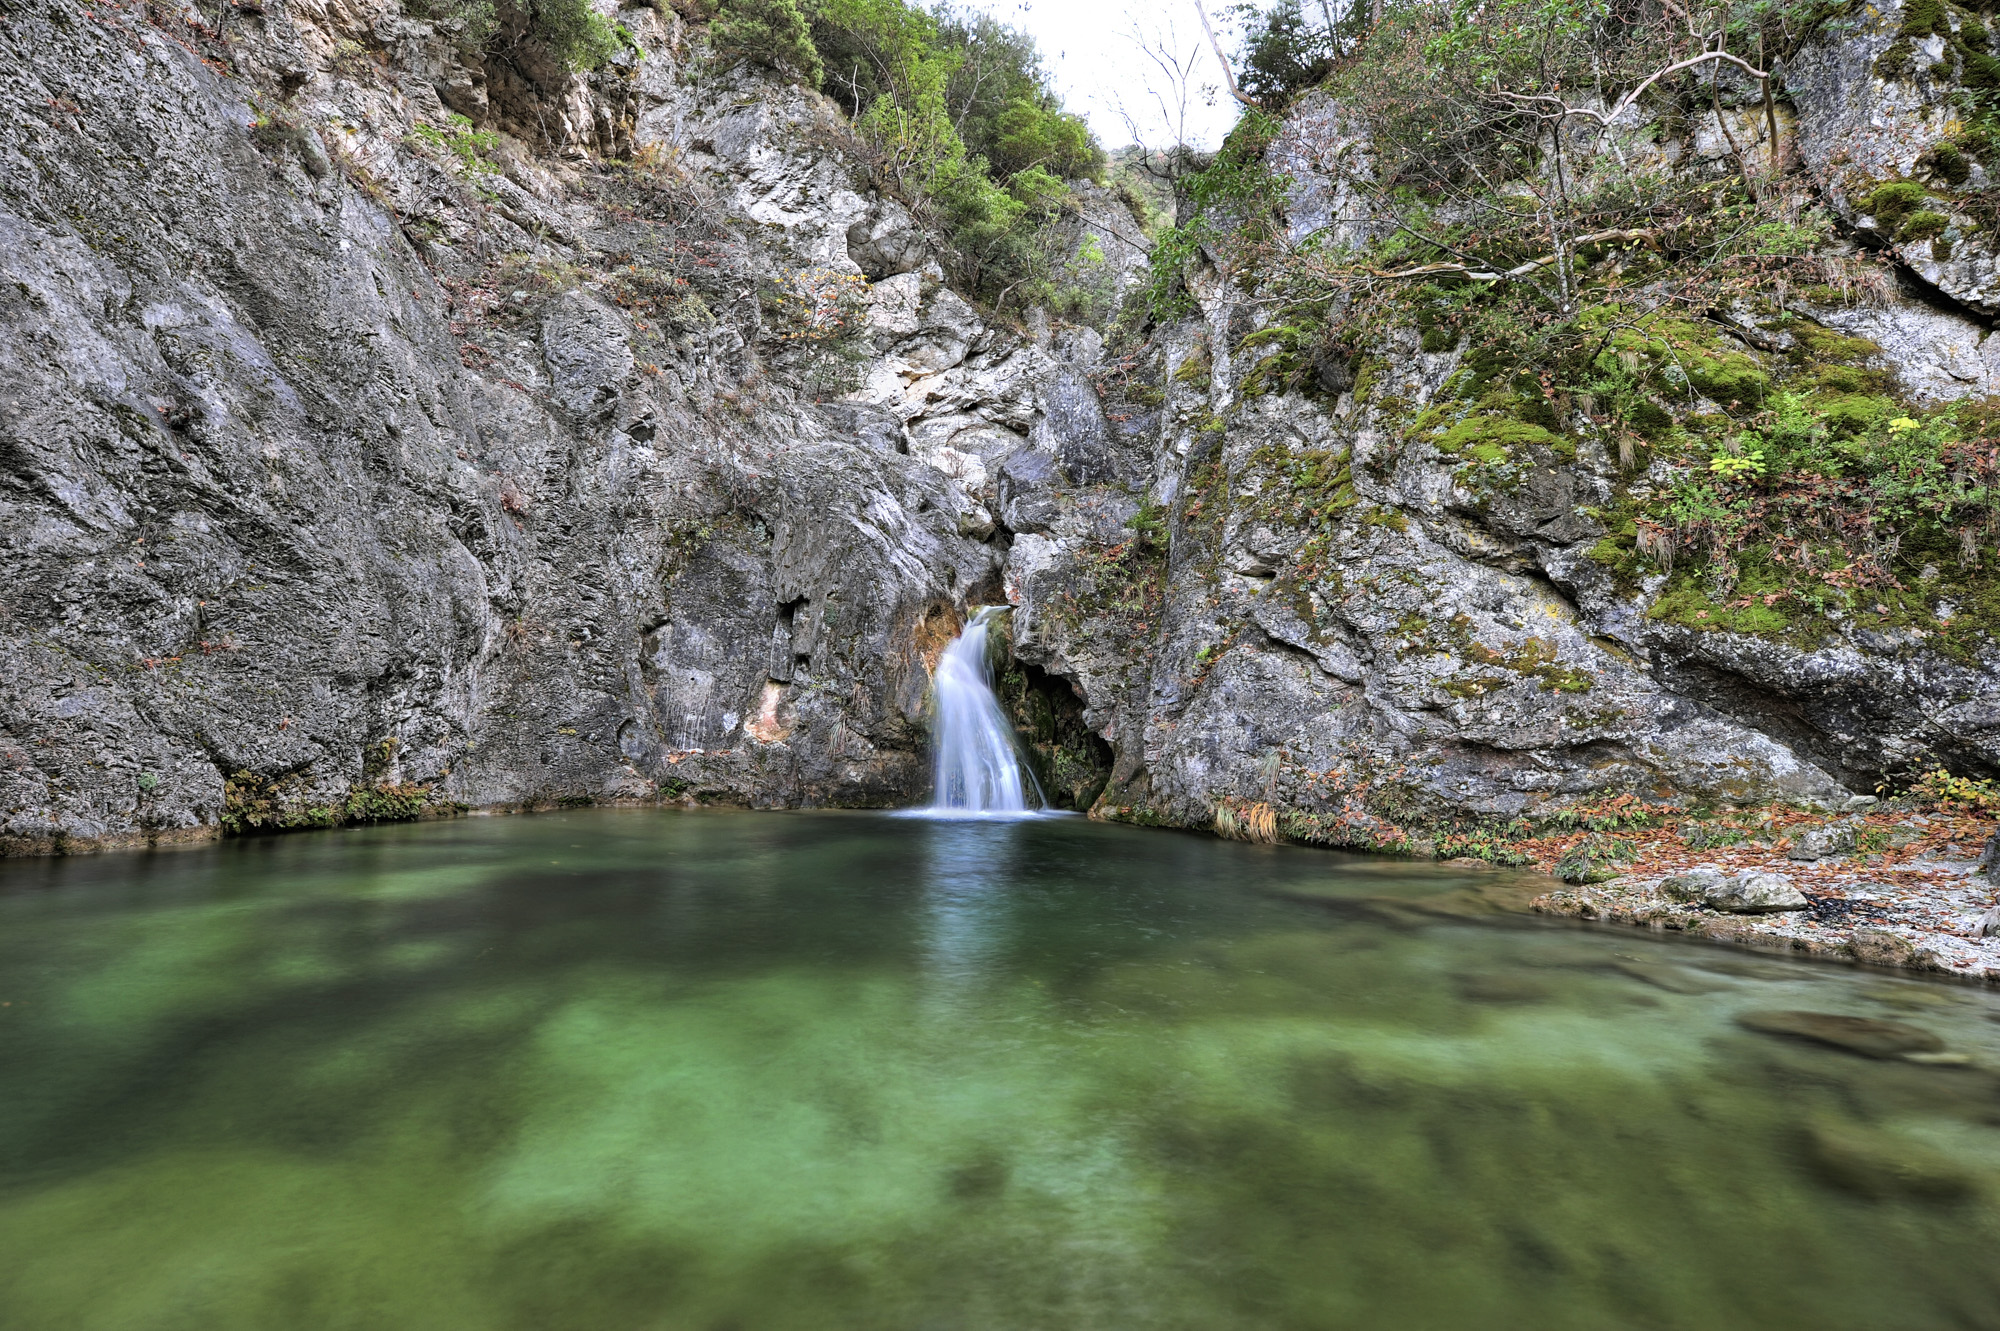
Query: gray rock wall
point(295, 481)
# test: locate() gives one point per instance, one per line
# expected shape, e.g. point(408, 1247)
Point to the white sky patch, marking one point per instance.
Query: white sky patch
point(1090, 49)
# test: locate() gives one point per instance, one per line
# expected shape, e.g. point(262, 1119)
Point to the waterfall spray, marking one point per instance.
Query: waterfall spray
point(979, 769)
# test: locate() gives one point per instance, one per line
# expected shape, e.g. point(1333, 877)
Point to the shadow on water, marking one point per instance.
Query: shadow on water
point(611, 1069)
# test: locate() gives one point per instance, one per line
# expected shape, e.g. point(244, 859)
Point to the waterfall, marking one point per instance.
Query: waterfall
point(979, 770)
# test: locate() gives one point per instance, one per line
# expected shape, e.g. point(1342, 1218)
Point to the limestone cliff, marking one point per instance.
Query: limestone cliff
point(356, 458)
point(1348, 593)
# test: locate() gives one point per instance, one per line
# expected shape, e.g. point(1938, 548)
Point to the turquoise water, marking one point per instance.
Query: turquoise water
point(613, 1070)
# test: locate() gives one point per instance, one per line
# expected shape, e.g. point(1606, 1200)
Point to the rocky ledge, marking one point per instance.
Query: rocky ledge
point(1909, 890)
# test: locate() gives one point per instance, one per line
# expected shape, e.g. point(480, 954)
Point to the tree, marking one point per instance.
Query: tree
point(1536, 94)
point(1172, 91)
point(1215, 45)
point(1284, 51)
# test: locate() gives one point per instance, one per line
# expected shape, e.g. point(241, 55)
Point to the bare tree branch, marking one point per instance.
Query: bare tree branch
point(1519, 271)
point(1565, 110)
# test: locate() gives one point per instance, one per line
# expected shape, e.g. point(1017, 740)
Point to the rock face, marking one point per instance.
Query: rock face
point(347, 448)
point(1878, 91)
point(1339, 618)
point(492, 483)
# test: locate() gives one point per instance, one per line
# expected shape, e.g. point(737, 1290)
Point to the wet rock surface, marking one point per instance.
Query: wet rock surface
point(1867, 1036)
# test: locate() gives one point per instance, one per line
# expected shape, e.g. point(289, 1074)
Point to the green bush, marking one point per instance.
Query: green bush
point(571, 30)
point(966, 127)
point(1030, 135)
point(773, 33)
point(475, 18)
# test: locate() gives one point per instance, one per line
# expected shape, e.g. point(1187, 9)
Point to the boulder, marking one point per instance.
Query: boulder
point(1756, 894)
point(1694, 885)
point(1823, 842)
point(1989, 923)
point(1880, 947)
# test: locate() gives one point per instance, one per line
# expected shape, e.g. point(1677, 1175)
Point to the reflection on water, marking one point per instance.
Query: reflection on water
point(969, 866)
point(660, 1070)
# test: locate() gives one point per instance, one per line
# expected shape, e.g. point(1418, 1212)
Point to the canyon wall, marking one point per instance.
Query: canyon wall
point(386, 429)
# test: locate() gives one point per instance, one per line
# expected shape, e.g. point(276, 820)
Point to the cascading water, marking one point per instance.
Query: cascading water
point(979, 770)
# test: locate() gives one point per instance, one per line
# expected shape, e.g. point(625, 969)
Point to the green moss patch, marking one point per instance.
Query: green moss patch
point(251, 803)
point(1922, 225)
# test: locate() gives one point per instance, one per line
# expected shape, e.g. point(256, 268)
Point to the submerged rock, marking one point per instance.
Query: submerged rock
point(1868, 1036)
point(1673, 979)
point(1882, 1165)
point(1880, 947)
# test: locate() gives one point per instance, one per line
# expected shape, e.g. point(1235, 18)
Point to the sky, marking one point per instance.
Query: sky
point(1088, 45)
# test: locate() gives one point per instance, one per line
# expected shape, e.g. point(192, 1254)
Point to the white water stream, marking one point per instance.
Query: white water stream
point(978, 767)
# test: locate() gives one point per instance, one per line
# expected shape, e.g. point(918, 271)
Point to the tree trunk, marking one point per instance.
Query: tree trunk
point(1228, 74)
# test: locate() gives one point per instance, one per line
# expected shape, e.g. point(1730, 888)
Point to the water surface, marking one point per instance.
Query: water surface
point(637, 1070)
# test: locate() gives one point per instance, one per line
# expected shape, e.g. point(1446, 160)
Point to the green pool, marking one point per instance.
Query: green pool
point(626, 1071)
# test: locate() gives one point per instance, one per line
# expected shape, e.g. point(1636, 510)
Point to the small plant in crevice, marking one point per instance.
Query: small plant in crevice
point(471, 149)
point(1711, 836)
point(1940, 789)
point(821, 315)
point(1591, 859)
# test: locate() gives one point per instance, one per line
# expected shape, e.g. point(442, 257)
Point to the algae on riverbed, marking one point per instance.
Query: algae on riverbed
point(625, 1069)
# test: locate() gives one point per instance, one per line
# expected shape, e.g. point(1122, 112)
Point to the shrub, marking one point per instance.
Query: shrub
point(1030, 135)
point(967, 127)
point(572, 31)
point(474, 19)
point(823, 312)
point(772, 33)
point(1590, 860)
point(1940, 789)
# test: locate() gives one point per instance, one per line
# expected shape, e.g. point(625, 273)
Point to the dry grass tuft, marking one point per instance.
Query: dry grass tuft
point(1240, 820)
